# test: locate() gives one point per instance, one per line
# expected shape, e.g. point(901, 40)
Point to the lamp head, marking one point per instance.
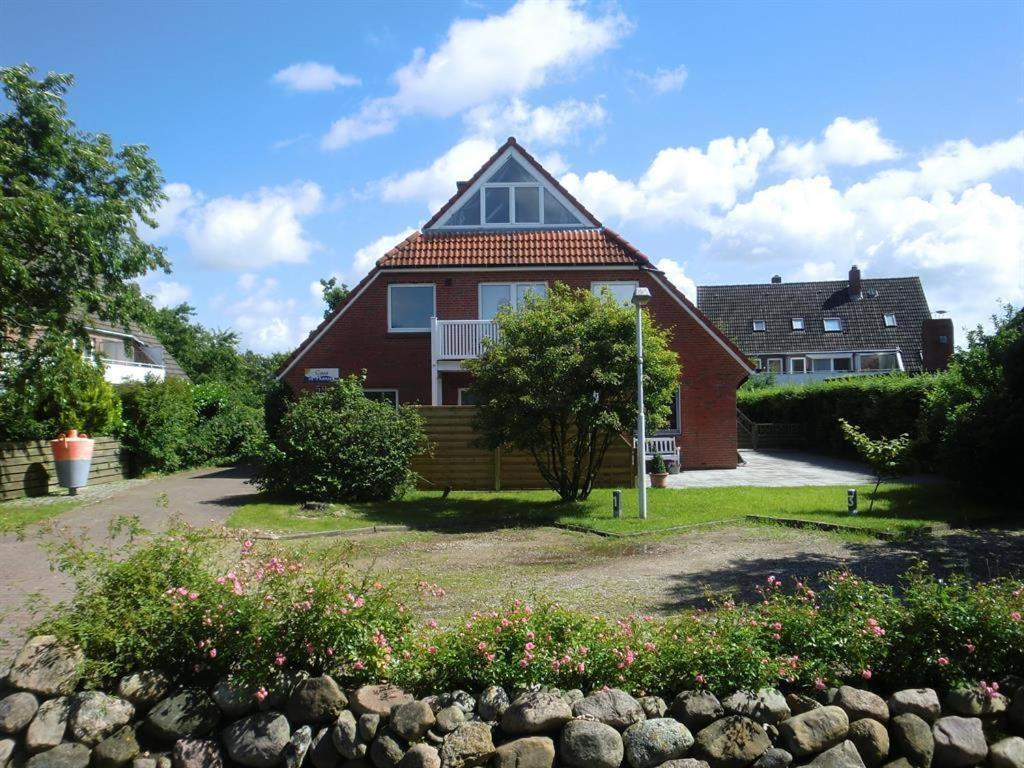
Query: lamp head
point(641, 296)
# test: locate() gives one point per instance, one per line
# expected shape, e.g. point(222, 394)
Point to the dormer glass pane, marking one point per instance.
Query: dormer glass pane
point(496, 204)
point(555, 212)
point(512, 172)
point(468, 215)
point(527, 205)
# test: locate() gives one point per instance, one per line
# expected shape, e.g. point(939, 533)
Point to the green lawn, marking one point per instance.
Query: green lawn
point(15, 514)
point(898, 507)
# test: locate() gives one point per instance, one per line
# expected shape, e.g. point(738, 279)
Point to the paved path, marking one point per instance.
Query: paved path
point(777, 468)
point(199, 497)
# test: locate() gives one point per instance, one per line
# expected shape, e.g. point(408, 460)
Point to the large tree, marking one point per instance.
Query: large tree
point(560, 383)
point(70, 206)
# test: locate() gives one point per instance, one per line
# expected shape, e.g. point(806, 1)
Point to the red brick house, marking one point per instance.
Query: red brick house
point(511, 229)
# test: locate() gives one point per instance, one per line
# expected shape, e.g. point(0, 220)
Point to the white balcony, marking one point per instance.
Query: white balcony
point(121, 371)
point(784, 379)
point(461, 339)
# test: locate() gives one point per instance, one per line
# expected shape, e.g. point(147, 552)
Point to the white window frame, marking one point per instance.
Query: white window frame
point(885, 319)
point(677, 397)
point(597, 285)
point(512, 285)
point(433, 311)
point(384, 389)
point(794, 321)
point(826, 329)
point(459, 394)
point(755, 329)
point(801, 360)
point(768, 365)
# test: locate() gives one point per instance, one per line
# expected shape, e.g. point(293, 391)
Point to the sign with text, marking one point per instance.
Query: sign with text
point(320, 375)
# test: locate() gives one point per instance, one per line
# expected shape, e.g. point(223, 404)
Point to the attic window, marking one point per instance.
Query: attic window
point(798, 323)
point(758, 325)
point(890, 321)
point(832, 324)
point(469, 214)
point(511, 173)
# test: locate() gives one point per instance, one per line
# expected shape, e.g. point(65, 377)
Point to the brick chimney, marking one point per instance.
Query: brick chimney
point(936, 343)
point(776, 279)
point(855, 291)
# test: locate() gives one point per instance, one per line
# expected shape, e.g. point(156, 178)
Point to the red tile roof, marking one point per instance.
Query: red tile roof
point(561, 247)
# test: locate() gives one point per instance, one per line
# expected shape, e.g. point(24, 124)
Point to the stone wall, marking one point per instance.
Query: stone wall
point(150, 723)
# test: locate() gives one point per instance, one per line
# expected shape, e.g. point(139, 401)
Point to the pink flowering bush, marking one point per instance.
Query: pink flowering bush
point(202, 607)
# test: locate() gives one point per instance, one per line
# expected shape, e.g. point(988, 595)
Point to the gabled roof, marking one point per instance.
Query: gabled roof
point(147, 340)
point(733, 308)
point(464, 188)
point(513, 248)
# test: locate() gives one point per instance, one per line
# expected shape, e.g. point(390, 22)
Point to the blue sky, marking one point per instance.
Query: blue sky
point(729, 141)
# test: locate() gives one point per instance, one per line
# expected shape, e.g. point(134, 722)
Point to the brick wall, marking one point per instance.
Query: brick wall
point(359, 340)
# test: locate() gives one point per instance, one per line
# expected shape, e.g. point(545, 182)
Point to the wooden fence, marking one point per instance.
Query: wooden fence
point(26, 469)
point(750, 434)
point(456, 462)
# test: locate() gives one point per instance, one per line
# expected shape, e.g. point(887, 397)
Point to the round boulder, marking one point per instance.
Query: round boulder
point(234, 700)
point(858, 704)
point(411, 721)
point(387, 749)
point(45, 667)
point(871, 739)
point(535, 712)
point(186, 714)
point(16, 712)
point(612, 707)
point(95, 715)
point(66, 755)
point(257, 741)
point(923, 702)
point(776, 757)
point(973, 702)
point(731, 742)
point(448, 719)
point(315, 701)
point(696, 709)
point(420, 756)
point(912, 737)
point(117, 750)
point(144, 689)
point(468, 745)
point(47, 728)
point(345, 735)
point(527, 752)
point(194, 753)
point(377, 699)
point(1007, 753)
point(653, 706)
point(651, 742)
point(590, 744)
point(765, 706)
point(843, 755)
point(492, 703)
point(814, 731)
point(959, 742)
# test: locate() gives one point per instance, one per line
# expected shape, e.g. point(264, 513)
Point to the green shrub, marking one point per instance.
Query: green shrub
point(229, 429)
point(887, 457)
point(200, 607)
point(55, 387)
point(160, 420)
point(879, 405)
point(339, 445)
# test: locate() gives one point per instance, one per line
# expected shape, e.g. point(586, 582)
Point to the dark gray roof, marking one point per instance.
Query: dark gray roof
point(734, 308)
point(151, 343)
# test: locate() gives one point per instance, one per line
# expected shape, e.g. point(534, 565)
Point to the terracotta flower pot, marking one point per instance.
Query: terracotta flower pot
point(72, 453)
point(659, 479)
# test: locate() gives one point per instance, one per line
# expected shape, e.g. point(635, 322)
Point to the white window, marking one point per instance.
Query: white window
point(466, 397)
point(880, 361)
point(797, 365)
point(798, 323)
point(828, 364)
point(410, 307)
point(832, 324)
point(674, 417)
point(494, 296)
point(621, 290)
point(774, 365)
point(115, 349)
point(758, 326)
point(890, 321)
point(389, 396)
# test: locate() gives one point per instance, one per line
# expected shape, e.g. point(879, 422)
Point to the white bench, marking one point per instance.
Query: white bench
point(661, 446)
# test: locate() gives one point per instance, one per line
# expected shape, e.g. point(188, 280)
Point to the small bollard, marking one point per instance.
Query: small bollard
point(616, 504)
point(851, 501)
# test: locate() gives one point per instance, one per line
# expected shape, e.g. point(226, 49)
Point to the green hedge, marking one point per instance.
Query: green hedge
point(879, 405)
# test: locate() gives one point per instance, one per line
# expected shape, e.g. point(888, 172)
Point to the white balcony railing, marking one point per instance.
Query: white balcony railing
point(782, 379)
point(462, 339)
point(120, 371)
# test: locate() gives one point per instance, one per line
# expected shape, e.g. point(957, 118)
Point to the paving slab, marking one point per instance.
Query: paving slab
point(777, 469)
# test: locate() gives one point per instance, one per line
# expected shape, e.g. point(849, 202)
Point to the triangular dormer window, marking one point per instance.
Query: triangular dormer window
point(511, 192)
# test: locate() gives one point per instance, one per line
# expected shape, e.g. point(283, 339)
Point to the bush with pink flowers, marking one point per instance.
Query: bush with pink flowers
point(200, 607)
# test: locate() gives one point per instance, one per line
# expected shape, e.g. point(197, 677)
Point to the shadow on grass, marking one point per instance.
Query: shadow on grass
point(469, 514)
point(980, 555)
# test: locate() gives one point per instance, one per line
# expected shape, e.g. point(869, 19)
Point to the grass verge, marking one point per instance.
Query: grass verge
point(17, 514)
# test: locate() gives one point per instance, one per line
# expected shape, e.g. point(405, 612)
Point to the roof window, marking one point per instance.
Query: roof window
point(758, 326)
point(798, 323)
point(832, 324)
point(890, 320)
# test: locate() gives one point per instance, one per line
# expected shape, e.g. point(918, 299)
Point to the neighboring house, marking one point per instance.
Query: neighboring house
point(131, 354)
point(429, 302)
point(811, 331)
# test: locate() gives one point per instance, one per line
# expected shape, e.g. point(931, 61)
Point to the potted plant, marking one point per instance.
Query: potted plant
point(659, 472)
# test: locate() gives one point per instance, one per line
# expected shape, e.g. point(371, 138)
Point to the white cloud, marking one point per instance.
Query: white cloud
point(364, 259)
point(312, 76)
point(164, 293)
point(535, 125)
point(180, 198)
point(484, 60)
point(681, 183)
point(676, 274)
point(436, 183)
point(243, 233)
point(818, 270)
point(265, 321)
point(845, 142)
point(664, 80)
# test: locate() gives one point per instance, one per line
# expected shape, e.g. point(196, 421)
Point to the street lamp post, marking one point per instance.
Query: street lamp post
point(640, 298)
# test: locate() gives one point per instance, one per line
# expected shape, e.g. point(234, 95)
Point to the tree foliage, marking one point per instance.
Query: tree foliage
point(887, 456)
point(560, 383)
point(70, 203)
point(334, 293)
